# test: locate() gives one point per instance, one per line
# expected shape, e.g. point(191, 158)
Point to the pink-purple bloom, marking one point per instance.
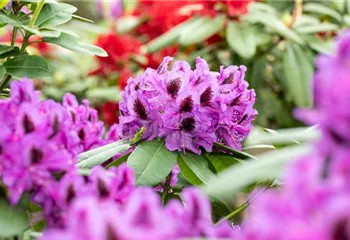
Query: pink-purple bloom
point(314, 201)
point(191, 109)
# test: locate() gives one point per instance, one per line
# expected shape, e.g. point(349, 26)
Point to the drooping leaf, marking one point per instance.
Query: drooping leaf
point(197, 165)
point(201, 30)
point(9, 19)
point(54, 14)
point(13, 220)
point(72, 43)
point(298, 72)
point(241, 38)
point(27, 66)
point(100, 156)
point(187, 173)
point(235, 153)
point(5, 49)
point(323, 10)
point(269, 166)
point(152, 162)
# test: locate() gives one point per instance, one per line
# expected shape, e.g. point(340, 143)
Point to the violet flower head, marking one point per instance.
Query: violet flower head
point(330, 83)
point(191, 109)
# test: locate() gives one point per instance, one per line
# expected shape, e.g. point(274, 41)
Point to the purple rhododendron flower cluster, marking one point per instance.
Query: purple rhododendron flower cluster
point(141, 217)
point(40, 139)
point(191, 109)
point(314, 202)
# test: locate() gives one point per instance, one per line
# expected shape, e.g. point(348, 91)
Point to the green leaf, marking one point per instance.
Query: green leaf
point(118, 161)
point(257, 78)
point(100, 155)
point(187, 173)
point(241, 38)
point(2, 72)
point(202, 29)
point(269, 166)
point(298, 71)
point(169, 37)
point(128, 23)
point(315, 28)
point(14, 52)
point(104, 94)
point(276, 25)
point(261, 8)
point(42, 32)
point(347, 20)
point(82, 19)
point(321, 46)
point(322, 10)
point(222, 161)
point(235, 153)
point(54, 14)
point(13, 220)
point(5, 19)
point(198, 165)
point(152, 162)
point(27, 66)
point(5, 49)
point(72, 43)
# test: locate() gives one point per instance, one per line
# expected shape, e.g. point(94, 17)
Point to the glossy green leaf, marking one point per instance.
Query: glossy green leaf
point(13, 220)
point(235, 153)
point(42, 32)
point(222, 161)
point(269, 166)
point(54, 14)
point(322, 10)
point(100, 156)
point(72, 43)
point(152, 162)
point(119, 161)
point(187, 172)
point(198, 165)
point(27, 66)
point(241, 39)
point(201, 30)
point(2, 72)
point(298, 71)
point(169, 37)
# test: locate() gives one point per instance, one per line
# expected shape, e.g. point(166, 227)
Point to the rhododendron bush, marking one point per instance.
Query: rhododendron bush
point(154, 139)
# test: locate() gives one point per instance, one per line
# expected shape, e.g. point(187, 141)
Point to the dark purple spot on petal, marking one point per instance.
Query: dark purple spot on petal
point(341, 230)
point(28, 125)
point(55, 127)
point(206, 96)
point(140, 109)
point(188, 124)
point(186, 104)
point(173, 87)
point(102, 188)
point(245, 116)
point(36, 155)
point(229, 79)
point(81, 134)
point(70, 194)
point(111, 235)
point(236, 101)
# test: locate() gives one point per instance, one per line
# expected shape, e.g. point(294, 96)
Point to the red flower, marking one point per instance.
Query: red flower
point(235, 7)
point(109, 111)
point(119, 49)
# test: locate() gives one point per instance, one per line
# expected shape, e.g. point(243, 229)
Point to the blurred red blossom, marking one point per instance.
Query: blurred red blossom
point(109, 112)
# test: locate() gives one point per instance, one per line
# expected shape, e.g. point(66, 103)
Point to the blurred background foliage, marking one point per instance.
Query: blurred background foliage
point(276, 40)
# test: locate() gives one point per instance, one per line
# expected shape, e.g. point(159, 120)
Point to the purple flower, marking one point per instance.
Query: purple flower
point(110, 9)
point(191, 109)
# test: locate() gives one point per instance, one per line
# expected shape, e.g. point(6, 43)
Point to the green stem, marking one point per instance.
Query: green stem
point(237, 211)
point(166, 188)
point(36, 13)
point(14, 35)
